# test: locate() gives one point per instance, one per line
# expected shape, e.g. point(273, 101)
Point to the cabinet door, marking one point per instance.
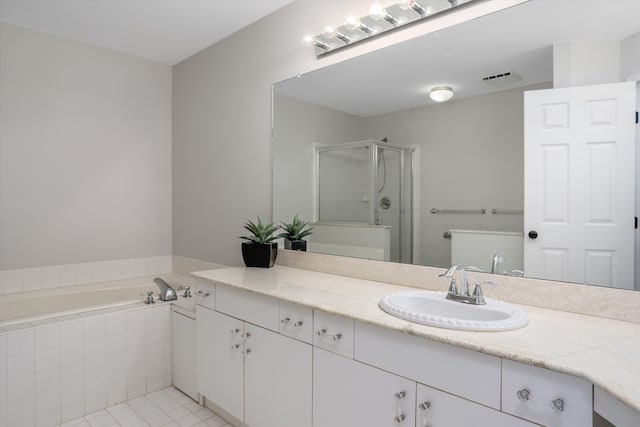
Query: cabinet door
point(277, 380)
point(437, 408)
point(183, 343)
point(220, 360)
point(347, 393)
point(550, 398)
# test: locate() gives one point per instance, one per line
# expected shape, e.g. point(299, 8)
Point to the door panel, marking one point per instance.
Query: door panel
point(580, 184)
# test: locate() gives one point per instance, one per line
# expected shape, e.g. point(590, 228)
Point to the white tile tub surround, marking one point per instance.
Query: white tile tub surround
point(55, 373)
point(30, 279)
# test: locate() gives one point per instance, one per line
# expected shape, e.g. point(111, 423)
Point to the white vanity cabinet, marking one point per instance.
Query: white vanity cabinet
point(613, 410)
point(465, 373)
point(252, 372)
point(277, 380)
point(437, 408)
point(221, 360)
point(270, 363)
point(347, 393)
point(546, 397)
point(183, 347)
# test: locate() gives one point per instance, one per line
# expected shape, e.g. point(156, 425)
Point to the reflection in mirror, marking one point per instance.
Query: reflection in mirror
point(468, 152)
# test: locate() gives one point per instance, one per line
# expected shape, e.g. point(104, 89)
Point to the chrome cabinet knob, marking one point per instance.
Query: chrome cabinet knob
point(523, 395)
point(287, 321)
point(323, 333)
point(557, 405)
point(424, 408)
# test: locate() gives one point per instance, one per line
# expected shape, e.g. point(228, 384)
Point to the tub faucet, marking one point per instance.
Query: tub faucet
point(166, 292)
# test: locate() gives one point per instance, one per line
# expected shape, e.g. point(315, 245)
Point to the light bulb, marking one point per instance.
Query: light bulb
point(377, 12)
point(308, 40)
point(351, 22)
point(329, 30)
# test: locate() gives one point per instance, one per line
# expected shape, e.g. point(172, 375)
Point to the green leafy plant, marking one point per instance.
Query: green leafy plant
point(296, 229)
point(260, 232)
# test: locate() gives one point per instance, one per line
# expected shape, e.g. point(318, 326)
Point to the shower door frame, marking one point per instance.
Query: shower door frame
point(372, 145)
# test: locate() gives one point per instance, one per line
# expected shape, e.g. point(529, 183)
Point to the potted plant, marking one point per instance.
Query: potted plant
point(260, 250)
point(294, 233)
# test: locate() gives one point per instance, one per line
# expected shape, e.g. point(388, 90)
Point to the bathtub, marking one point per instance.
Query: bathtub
point(67, 352)
point(52, 303)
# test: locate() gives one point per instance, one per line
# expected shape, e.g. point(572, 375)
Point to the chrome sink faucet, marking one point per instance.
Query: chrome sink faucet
point(166, 292)
point(463, 295)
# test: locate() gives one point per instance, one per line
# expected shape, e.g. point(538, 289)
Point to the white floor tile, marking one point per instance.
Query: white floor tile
point(163, 408)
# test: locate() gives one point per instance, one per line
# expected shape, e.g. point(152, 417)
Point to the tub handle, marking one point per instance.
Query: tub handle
point(150, 298)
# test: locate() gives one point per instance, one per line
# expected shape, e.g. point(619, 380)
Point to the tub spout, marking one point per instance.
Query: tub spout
point(166, 292)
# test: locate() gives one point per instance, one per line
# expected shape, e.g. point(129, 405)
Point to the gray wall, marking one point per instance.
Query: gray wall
point(297, 125)
point(85, 153)
point(222, 122)
point(471, 157)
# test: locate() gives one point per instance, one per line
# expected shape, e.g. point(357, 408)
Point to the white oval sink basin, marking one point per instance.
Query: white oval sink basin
point(433, 309)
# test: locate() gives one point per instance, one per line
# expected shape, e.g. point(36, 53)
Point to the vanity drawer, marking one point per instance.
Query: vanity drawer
point(296, 321)
point(469, 374)
point(251, 307)
point(437, 408)
point(206, 295)
point(547, 397)
point(333, 333)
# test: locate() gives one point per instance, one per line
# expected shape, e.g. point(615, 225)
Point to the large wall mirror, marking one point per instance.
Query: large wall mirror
point(384, 172)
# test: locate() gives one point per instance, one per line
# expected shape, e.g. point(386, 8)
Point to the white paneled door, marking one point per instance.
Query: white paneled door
point(579, 184)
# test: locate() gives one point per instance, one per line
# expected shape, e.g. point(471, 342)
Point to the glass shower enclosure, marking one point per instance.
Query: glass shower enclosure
point(368, 183)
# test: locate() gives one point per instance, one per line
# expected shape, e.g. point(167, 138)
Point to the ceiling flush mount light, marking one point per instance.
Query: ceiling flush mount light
point(380, 19)
point(441, 93)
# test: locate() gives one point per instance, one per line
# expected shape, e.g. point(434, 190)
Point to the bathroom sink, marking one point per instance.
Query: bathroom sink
point(433, 309)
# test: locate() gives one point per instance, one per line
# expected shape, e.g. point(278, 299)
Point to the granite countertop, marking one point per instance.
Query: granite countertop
point(601, 350)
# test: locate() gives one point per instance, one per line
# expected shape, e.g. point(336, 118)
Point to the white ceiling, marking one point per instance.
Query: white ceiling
point(518, 39)
point(166, 31)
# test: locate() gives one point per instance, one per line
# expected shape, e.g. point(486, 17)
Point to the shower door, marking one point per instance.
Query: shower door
point(393, 198)
point(343, 184)
point(368, 183)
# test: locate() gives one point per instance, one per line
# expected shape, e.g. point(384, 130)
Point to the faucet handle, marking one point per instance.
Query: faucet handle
point(150, 298)
point(514, 273)
point(453, 289)
point(477, 292)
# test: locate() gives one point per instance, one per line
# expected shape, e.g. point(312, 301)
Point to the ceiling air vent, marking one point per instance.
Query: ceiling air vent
point(501, 79)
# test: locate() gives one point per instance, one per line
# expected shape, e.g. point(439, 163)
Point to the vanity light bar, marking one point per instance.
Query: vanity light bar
point(379, 20)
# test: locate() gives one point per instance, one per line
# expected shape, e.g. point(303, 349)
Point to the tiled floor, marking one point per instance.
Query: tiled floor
point(168, 407)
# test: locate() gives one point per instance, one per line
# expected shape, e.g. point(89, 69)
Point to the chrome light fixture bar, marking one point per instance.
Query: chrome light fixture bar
point(379, 20)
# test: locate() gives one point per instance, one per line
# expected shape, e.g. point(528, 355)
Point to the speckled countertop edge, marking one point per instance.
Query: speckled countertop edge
point(600, 350)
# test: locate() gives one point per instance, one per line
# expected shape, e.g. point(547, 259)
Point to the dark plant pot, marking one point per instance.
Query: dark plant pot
point(295, 245)
point(259, 254)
